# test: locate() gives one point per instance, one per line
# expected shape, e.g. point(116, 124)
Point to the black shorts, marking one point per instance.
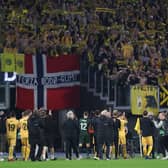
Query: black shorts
point(84, 138)
point(50, 140)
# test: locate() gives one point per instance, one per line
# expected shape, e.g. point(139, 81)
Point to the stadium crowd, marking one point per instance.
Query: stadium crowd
point(96, 135)
point(125, 39)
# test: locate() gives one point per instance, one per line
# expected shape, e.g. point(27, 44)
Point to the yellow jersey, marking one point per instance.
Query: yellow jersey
point(23, 127)
point(122, 126)
point(11, 127)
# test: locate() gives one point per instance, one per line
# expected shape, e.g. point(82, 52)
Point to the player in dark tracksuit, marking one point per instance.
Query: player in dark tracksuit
point(50, 133)
point(34, 136)
point(71, 133)
point(103, 127)
point(94, 140)
point(115, 132)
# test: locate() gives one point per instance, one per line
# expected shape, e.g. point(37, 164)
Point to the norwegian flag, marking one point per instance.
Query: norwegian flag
point(49, 82)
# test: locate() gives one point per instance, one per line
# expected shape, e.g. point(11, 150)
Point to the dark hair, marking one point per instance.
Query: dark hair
point(145, 113)
point(97, 112)
point(86, 113)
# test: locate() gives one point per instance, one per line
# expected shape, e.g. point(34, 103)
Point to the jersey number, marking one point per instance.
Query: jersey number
point(24, 126)
point(83, 126)
point(11, 127)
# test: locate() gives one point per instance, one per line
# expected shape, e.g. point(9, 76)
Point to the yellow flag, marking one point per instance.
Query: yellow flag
point(20, 62)
point(137, 126)
point(7, 62)
point(144, 98)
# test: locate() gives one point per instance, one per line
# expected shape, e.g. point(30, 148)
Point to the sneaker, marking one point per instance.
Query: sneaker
point(53, 159)
point(68, 158)
point(96, 158)
point(79, 158)
point(165, 158)
point(11, 160)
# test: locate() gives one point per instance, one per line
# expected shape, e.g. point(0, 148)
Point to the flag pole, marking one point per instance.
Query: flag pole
point(140, 145)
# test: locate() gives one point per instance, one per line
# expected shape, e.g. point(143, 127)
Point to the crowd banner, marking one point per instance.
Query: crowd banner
point(20, 63)
point(7, 62)
point(49, 82)
point(163, 94)
point(144, 97)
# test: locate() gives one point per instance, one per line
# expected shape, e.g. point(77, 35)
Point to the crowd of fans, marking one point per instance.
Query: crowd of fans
point(125, 39)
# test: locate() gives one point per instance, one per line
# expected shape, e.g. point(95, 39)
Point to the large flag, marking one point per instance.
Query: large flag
point(144, 98)
point(20, 63)
point(7, 62)
point(49, 82)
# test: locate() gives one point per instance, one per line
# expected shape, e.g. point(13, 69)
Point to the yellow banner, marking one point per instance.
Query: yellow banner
point(144, 98)
point(163, 96)
point(7, 62)
point(20, 62)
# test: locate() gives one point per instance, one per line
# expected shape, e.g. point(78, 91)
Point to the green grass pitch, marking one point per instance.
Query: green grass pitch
point(132, 163)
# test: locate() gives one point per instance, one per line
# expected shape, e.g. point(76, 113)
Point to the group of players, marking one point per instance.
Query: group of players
point(104, 130)
point(36, 130)
point(109, 131)
point(104, 133)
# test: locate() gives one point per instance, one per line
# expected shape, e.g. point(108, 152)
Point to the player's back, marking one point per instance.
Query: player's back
point(122, 126)
point(147, 126)
point(83, 124)
point(11, 127)
point(23, 127)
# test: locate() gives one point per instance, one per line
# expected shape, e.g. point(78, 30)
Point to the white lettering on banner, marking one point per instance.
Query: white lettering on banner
point(27, 81)
point(60, 79)
point(9, 78)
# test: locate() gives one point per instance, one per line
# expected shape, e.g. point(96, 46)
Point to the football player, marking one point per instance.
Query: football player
point(84, 137)
point(11, 127)
point(24, 134)
point(122, 134)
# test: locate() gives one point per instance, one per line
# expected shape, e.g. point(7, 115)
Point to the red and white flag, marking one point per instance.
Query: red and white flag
point(49, 82)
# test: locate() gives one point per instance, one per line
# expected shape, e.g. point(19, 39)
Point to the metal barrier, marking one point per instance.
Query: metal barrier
point(115, 94)
point(4, 96)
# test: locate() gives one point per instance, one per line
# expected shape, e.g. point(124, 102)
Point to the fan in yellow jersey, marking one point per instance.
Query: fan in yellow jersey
point(122, 134)
point(24, 134)
point(11, 127)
